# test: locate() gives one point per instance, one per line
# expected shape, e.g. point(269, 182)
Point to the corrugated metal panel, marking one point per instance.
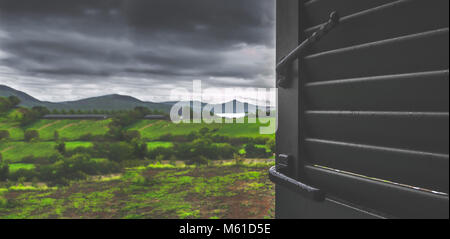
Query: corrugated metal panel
point(376, 101)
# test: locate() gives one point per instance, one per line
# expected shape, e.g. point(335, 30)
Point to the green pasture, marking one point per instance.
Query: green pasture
point(153, 129)
point(69, 129)
point(16, 166)
point(16, 151)
point(158, 144)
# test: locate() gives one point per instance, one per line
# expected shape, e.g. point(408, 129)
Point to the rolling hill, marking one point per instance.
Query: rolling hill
point(106, 102)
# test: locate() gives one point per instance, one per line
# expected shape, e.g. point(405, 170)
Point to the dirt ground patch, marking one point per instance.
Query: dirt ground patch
point(67, 126)
point(49, 124)
point(203, 192)
point(147, 126)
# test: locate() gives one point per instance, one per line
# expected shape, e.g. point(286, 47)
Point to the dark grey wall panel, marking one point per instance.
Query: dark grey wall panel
point(289, 205)
point(425, 170)
point(428, 132)
point(423, 91)
point(392, 20)
point(317, 11)
point(422, 52)
point(393, 200)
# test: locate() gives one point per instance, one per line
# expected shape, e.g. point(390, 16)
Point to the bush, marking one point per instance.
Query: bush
point(116, 151)
point(8, 103)
point(131, 135)
point(271, 144)
point(28, 159)
point(238, 160)
point(3, 202)
point(56, 135)
point(164, 153)
point(86, 137)
point(201, 160)
point(32, 115)
point(140, 149)
point(4, 172)
point(226, 151)
point(76, 167)
point(255, 152)
point(166, 137)
point(61, 148)
point(22, 175)
point(4, 134)
point(31, 135)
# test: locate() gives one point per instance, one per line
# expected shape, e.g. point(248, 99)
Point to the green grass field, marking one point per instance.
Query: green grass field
point(153, 129)
point(74, 144)
point(16, 166)
point(158, 144)
point(16, 151)
point(69, 129)
point(16, 133)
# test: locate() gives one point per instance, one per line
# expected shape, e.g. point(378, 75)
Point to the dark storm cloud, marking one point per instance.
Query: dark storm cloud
point(167, 42)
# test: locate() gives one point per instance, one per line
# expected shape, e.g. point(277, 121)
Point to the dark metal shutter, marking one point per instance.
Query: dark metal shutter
point(375, 105)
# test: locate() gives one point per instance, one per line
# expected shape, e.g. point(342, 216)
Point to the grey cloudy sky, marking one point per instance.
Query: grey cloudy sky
point(61, 50)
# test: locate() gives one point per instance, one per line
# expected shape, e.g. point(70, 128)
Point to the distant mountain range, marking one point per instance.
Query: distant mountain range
point(106, 102)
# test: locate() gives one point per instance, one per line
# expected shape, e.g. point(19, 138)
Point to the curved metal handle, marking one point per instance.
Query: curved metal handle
point(296, 186)
point(282, 67)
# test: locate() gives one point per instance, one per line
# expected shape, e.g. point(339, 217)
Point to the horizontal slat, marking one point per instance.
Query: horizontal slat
point(420, 169)
point(428, 132)
point(317, 11)
point(391, 20)
point(422, 52)
point(394, 200)
point(423, 91)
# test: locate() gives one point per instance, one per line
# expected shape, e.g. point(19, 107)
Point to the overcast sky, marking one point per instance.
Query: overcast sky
point(59, 50)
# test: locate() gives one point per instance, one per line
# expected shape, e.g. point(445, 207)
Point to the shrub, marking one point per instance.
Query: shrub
point(116, 151)
point(86, 137)
point(238, 160)
point(254, 152)
point(159, 158)
point(166, 137)
point(164, 153)
point(271, 144)
point(140, 149)
point(131, 135)
point(61, 148)
point(28, 159)
point(173, 160)
point(56, 135)
point(31, 135)
point(201, 160)
point(4, 134)
point(32, 115)
point(22, 175)
point(3, 202)
point(225, 150)
point(76, 167)
point(4, 172)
